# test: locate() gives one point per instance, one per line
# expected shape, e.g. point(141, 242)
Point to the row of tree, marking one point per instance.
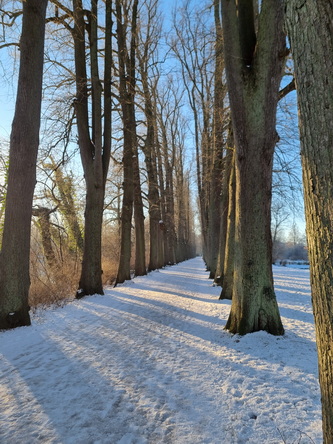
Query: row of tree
point(255, 49)
point(108, 98)
point(232, 76)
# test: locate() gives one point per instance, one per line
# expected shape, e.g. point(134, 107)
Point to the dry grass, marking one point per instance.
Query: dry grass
point(110, 268)
point(110, 254)
point(58, 284)
point(53, 286)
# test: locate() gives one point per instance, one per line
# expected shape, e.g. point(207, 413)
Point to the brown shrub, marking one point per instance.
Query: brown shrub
point(52, 285)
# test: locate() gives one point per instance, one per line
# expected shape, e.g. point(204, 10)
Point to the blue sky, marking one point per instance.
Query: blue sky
point(8, 89)
point(8, 85)
point(7, 107)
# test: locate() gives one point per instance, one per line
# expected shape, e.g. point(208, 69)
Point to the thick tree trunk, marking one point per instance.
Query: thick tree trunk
point(24, 141)
point(310, 30)
point(254, 304)
point(127, 93)
point(95, 154)
point(91, 272)
point(254, 62)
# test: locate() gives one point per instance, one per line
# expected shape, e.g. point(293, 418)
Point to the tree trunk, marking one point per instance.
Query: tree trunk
point(24, 141)
point(44, 226)
point(168, 211)
point(155, 218)
point(224, 203)
point(310, 30)
point(91, 272)
point(216, 210)
point(180, 204)
point(254, 62)
point(139, 221)
point(229, 254)
point(254, 305)
point(124, 266)
point(127, 94)
point(94, 151)
point(169, 216)
point(206, 186)
point(162, 226)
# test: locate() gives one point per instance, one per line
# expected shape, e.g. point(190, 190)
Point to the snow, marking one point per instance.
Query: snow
point(149, 362)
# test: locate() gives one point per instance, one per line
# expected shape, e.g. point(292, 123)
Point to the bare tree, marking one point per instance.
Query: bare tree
point(192, 45)
point(95, 149)
point(254, 57)
point(168, 116)
point(24, 141)
point(149, 36)
point(127, 23)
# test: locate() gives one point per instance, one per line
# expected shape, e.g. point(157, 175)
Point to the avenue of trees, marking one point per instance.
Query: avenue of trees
point(128, 101)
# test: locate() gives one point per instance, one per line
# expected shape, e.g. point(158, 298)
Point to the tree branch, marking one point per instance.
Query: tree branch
point(6, 45)
point(287, 89)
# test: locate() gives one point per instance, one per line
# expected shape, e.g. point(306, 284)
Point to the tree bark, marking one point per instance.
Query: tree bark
point(154, 208)
point(216, 210)
point(139, 220)
point(155, 217)
point(161, 186)
point(127, 93)
point(24, 141)
point(229, 254)
point(224, 203)
point(94, 151)
point(148, 35)
point(44, 225)
point(254, 63)
point(169, 217)
point(310, 31)
point(91, 272)
point(181, 208)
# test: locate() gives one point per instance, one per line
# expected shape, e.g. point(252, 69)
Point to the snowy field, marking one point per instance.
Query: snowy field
point(150, 363)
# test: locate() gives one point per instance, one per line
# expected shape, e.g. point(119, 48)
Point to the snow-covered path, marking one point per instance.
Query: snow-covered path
point(149, 362)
